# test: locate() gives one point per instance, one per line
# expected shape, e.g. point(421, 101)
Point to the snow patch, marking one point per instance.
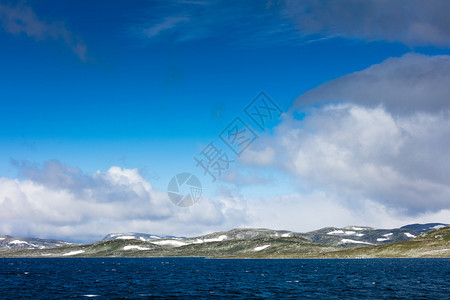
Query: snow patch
point(142, 239)
point(126, 237)
point(286, 235)
point(347, 232)
point(409, 235)
point(382, 239)
point(438, 226)
point(259, 248)
point(169, 243)
point(356, 228)
point(135, 248)
point(73, 252)
point(336, 232)
point(348, 241)
point(2, 238)
point(17, 242)
point(388, 234)
point(218, 239)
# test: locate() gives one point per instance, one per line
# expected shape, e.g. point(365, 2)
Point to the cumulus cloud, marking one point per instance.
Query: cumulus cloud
point(21, 19)
point(239, 179)
point(379, 135)
point(403, 85)
point(367, 153)
point(262, 157)
point(412, 22)
point(318, 209)
point(60, 201)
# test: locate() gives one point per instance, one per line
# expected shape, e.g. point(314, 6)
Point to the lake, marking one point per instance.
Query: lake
point(214, 278)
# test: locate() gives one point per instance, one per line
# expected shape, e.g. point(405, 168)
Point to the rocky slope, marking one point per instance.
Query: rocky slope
point(435, 243)
point(10, 242)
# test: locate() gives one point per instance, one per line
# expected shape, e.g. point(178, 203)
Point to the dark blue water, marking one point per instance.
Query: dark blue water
point(209, 278)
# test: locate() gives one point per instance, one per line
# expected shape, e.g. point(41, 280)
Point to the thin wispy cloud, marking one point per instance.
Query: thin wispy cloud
point(261, 23)
point(244, 23)
point(21, 19)
point(166, 24)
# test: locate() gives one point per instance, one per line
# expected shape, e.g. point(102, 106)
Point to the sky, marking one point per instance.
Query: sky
point(104, 102)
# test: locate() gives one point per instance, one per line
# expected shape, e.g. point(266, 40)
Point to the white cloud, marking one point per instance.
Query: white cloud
point(311, 211)
point(21, 19)
point(239, 179)
point(412, 22)
point(358, 153)
point(58, 201)
point(263, 157)
point(379, 135)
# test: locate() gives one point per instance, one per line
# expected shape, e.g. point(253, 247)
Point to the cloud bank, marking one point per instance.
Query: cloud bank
point(379, 135)
point(59, 201)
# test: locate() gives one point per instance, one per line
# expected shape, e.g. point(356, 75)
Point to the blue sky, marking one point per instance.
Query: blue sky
point(135, 99)
point(147, 84)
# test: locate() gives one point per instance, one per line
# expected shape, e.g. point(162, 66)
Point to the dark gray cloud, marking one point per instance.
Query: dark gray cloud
point(405, 85)
point(412, 22)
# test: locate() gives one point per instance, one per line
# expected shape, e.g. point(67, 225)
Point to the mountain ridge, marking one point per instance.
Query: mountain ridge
point(239, 242)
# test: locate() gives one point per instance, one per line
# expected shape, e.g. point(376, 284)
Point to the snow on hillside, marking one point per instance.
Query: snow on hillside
point(73, 253)
point(348, 241)
point(173, 243)
point(346, 232)
point(259, 248)
point(133, 247)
